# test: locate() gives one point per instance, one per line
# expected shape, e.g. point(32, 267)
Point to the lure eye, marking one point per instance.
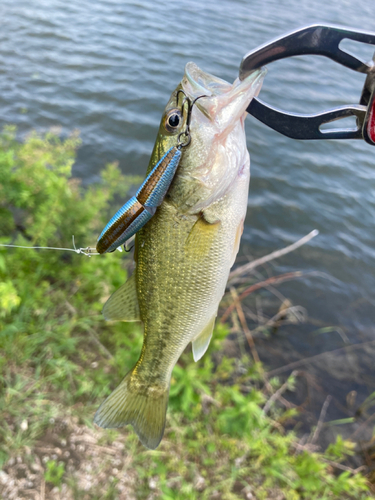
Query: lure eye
point(173, 120)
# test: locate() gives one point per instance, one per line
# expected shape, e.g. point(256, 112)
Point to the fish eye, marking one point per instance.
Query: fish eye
point(173, 120)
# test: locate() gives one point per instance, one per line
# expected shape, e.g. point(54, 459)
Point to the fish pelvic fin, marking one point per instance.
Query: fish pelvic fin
point(237, 241)
point(142, 406)
point(123, 305)
point(202, 341)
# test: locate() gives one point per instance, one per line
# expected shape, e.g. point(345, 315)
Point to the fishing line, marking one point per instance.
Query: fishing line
point(87, 251)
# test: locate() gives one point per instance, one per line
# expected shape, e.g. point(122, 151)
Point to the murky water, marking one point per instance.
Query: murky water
point(107, 67)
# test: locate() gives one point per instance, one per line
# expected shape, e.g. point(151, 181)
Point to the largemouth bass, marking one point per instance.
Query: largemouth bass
point(183, 255)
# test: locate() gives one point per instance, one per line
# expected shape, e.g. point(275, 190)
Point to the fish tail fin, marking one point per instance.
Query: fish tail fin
point(132, 402)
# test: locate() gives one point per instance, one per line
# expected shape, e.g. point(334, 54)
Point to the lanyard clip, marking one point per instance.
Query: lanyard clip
point(323, 41)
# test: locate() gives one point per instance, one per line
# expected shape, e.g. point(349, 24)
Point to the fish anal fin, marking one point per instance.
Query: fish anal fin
point(202, 235)
point(123, 305)
point(202, 341)
point(144, 407)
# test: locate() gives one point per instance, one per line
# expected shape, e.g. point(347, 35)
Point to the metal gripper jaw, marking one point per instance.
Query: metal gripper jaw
point(323, 41)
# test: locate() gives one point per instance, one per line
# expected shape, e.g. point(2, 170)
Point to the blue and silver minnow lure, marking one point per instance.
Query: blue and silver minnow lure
point(138, 210)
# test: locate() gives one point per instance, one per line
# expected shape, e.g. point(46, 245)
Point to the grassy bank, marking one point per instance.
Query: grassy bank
point(225, 435)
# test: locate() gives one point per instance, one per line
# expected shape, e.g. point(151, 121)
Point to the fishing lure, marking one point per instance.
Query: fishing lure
point(140, 208)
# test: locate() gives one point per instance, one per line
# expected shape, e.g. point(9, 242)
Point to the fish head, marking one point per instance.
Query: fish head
point(217, 149)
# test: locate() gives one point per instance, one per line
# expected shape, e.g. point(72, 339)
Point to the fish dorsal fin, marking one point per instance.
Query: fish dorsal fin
point(123, 305)
point(201, 343)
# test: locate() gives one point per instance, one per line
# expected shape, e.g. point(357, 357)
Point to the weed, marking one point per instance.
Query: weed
point(54, 472)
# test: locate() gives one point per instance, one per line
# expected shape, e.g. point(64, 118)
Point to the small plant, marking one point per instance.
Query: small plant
point(54, 472)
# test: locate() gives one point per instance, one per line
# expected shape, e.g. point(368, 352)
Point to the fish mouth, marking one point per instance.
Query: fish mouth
point(224, 103)
point(198, 82)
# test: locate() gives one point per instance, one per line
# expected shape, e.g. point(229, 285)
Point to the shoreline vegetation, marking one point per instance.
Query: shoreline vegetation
point(232, 431)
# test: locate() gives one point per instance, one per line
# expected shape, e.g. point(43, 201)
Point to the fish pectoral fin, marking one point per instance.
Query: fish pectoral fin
point(144, 407)
point(202, 235)
point(123, 305)
point(201, 343)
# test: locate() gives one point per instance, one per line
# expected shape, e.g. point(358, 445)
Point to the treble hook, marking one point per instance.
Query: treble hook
point(186, 132)
point(180, 91)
